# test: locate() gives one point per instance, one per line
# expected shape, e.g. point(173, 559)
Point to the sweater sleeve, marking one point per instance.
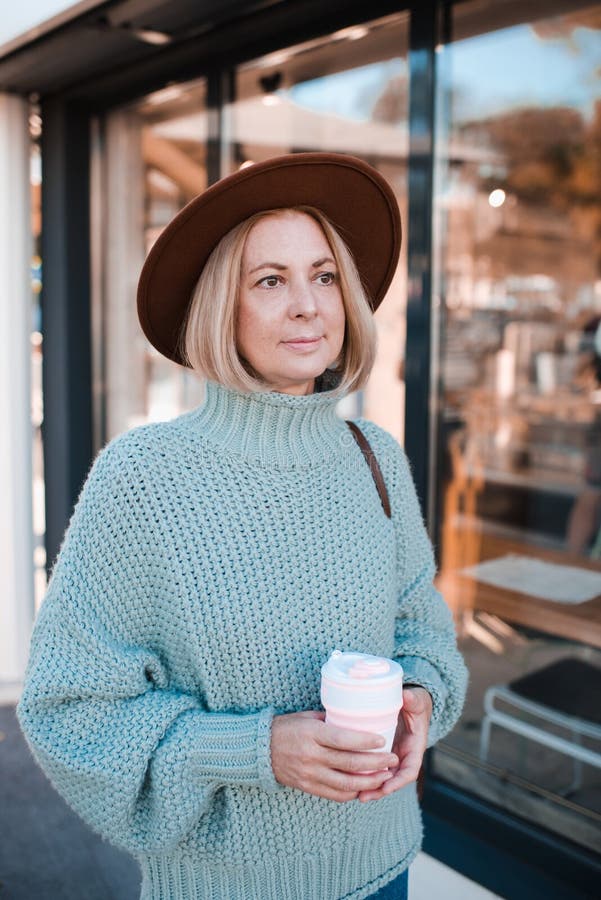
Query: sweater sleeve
point(138, 759)
point(424, 639)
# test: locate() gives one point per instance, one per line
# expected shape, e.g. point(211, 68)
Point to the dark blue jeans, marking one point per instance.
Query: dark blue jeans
point(394, 890)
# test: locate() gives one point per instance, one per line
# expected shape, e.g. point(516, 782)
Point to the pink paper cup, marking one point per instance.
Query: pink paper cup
point(363, 693)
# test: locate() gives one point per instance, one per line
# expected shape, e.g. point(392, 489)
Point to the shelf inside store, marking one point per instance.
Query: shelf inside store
point(564, 483)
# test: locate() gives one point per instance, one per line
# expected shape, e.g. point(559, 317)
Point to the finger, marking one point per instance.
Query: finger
point(417, 701)
point(405, 774)
point(366, 796)
point(395, 783)
point(343, 781)
point(377, 793)
point(412, 697)
point(329, 793)
point(345, 739)
point(399, 781)
point(359, 762)
point(321, 784)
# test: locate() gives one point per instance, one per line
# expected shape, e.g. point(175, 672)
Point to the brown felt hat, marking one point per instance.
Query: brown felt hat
point(353, 195)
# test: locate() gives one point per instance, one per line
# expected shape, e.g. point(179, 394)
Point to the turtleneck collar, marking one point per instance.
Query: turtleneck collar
point(272, 428)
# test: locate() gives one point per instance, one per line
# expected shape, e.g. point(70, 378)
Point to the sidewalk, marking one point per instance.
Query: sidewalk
point(48, 853)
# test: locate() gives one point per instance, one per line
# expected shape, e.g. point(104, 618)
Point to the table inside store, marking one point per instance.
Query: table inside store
point(573, 621)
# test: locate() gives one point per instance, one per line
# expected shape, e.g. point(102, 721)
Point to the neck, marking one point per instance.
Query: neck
point(271, 428)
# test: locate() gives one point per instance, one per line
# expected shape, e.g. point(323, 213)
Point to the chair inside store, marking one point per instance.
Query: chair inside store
point(556, 706)
point(461, 539)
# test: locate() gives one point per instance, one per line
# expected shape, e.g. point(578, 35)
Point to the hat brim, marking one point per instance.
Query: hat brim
point(353, 195)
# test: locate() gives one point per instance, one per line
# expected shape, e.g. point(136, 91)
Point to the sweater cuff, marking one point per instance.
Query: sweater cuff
point(422, 673)
point(230, 748)
point(266, 777)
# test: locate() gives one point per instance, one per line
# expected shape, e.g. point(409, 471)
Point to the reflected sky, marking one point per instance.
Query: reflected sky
point(515, 67)
point(351, 94)
point(488, 74)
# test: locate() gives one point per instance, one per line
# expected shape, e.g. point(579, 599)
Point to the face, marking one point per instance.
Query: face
point(289, 291)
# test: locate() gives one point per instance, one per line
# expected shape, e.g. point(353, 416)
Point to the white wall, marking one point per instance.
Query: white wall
point(16, 533)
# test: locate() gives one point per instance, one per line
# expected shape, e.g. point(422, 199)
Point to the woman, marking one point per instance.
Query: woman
point(213, 562)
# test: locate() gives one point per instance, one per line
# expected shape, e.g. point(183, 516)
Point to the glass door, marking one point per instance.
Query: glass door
point(148, 162)
point(346, 92)
point(518, 257)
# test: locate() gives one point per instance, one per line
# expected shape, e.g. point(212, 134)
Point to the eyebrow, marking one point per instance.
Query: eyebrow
point(280, 267)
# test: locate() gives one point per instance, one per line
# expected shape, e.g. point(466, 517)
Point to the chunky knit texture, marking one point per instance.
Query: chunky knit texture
point(211, 565)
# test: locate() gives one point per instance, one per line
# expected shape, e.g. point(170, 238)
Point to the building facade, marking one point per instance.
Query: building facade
point(485, 117)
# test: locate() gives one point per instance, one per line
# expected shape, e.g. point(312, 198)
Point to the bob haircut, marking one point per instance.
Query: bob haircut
point(208, 335)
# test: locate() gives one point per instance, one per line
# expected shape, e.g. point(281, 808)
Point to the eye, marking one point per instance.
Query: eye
point(270, 281)
point(327, 278)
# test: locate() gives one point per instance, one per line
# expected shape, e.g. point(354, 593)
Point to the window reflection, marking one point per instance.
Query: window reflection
point(342, 93)
point(518, 249)
point(155, 157)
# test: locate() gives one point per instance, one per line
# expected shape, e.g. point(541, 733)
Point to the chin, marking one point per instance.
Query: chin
point(288, 381)
point(298, 377)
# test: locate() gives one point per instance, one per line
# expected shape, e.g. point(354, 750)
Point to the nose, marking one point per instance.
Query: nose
point(302, 301)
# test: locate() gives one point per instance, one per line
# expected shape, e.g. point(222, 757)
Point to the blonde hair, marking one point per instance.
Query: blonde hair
point(208, 336)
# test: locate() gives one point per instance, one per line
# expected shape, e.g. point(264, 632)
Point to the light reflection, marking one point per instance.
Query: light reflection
point(496, 198)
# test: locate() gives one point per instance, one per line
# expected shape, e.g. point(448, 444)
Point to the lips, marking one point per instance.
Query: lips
point(303, 340)
point(301, 345)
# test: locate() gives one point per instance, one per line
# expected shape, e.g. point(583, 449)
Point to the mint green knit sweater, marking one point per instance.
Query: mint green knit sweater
point(211, 565)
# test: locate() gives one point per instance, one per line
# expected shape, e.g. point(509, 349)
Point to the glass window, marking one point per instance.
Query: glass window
point(148, 161)
point(37, 343)
point(518, 272)
point(345, 93)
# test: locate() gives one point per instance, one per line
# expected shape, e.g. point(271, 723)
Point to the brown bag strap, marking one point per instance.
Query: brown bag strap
point(372, 462)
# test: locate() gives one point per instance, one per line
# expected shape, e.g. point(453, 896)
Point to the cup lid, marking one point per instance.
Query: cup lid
point(351, 667)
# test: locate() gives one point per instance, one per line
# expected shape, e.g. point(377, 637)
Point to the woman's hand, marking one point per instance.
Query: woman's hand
point(409, 742)
point(324, 760)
